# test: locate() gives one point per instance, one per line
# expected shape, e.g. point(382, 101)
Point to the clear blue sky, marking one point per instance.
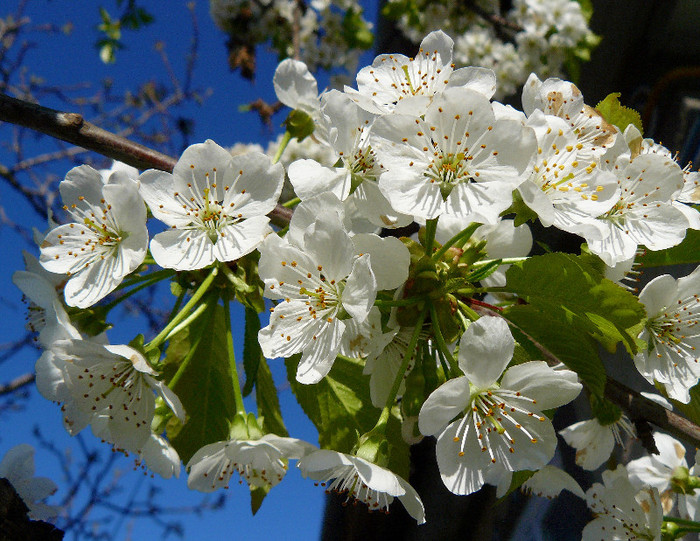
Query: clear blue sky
point(293, 509)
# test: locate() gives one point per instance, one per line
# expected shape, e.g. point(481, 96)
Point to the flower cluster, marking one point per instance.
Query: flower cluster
point(463, 336)
point(540, 36)
point(328, 33)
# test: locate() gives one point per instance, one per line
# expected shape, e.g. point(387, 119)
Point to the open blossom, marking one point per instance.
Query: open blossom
point(321, 283)
point(356, 175)
point(658, 470)
point(107, 239)
point(109, 386)
point(563, 99)
point(644, 213)
point(17, 466)
point(458, 160)
point(500, 428)
point(567, 188)
point(395, 83)
point(673, 332)
point(261, 462)
point(621, 511)
point(214, 203)
point(594, 442)
point(362, 481)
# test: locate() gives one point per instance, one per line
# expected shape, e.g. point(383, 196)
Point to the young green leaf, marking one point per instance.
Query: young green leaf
point(204, 386)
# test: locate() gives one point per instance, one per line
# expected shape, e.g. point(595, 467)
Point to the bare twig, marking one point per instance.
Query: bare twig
point(493, 19)
point(73, 128)
point(17, 383)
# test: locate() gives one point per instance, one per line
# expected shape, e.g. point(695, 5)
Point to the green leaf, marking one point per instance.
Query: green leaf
point(687, 251)
point(205, 384)
point(571, 346)
point(268, 402)
point(251, 350)
point(341, 409)
point(519, 477)
point(575, 293)
point(257, 495)
point(617, 114)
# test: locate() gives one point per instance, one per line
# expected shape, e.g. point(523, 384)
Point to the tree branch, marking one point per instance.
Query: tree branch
point(17, 383)
point(73, 128)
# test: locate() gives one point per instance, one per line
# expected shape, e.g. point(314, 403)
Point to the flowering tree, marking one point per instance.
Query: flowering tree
point(454, 332)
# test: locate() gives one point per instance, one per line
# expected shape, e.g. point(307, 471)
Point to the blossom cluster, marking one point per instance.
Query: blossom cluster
point(327, 34)
point(540, 36)
point(431, 319)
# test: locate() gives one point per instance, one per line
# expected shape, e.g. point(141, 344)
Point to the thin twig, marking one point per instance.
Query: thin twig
point(17, 383)
point(73, 128)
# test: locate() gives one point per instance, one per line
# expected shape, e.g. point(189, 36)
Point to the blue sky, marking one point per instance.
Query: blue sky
point(293, 510)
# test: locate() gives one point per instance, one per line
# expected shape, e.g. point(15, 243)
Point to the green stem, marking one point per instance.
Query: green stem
point(149, 276)
point(283, 144)
point(410, 352)
point(462, 235)
point(440, 340)
point(684, 522)
point(468, 310)
point(430, 228)
point(182, 314)
point(291, 202)
point(155, 277)
point(236, 383)
point(504, 261)
point(187, 321)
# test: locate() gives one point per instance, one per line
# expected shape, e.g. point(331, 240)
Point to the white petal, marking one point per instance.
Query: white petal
point(485, 350)
point(443, 405)
point(549, 387)
point(550, 481)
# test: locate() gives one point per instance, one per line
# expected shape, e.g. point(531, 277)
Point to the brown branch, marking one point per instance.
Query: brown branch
point(493, 19)
point(17, 383)
point(634, 404)
point(73, 128)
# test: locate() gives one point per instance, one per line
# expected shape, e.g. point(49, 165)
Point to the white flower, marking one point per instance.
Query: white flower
point(501, 428)
point(112, 387)
point(108, 239)
point(658, 470)
point(395, 83)
point(567, 188)
point(644, 214)
point(356, 177)
point(321, 283)
point(362, 481)
point(595, 442)
point(45, 313)
point(689, 504)
point(459, 160)
point(17, 467)
point(564, 99)
point(214, 203)
point(622, 512)
point(261, 462)
point(158, 456)
point(673, 333)
point(550, 481)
